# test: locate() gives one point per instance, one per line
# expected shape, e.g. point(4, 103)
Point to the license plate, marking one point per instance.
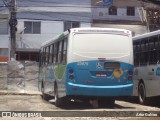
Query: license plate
point(101, 75)
point(112, 65)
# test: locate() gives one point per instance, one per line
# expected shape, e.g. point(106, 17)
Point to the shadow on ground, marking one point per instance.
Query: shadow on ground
point(80, 105)
point(152, 102)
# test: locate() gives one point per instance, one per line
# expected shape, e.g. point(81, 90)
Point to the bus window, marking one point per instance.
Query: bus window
point(40, 57)
point(60, 52)
point(136, 53)
point(158, 49)
point(44, 55)
point(47, 54)
point(65, 51)
point(56, 48)
point(52, 53)
point(153, 45)
point(144, 52)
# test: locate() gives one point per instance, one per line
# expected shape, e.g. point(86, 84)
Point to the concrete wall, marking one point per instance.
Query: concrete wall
point(19, 77)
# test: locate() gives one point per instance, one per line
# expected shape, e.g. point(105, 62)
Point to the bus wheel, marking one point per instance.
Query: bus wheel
point(142, 93)
point(57, 100)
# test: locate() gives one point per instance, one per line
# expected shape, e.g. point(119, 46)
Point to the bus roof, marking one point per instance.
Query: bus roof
point(52, 40)
point(147, 35)
point(87, 30)
point(100, 30)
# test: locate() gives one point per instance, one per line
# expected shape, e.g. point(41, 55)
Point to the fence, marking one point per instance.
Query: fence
point(19, 77)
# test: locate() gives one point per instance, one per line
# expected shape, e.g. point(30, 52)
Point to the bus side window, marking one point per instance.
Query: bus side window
point(50, 54)
point(136, 53)
point(144, 52)
point(40, 58)
point(64, 60)
point(44, 55)
point(62, 48)
point(153, 55)
point(158, 49)
point(56, 48)
point(53, 53)
point(47, 53)
point(60, 52)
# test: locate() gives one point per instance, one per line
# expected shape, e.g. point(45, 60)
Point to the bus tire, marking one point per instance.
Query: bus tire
point(57, 100)
point(142, 93)
point(44, 95)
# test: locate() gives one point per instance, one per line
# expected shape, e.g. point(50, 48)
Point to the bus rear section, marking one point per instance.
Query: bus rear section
point(100, 65)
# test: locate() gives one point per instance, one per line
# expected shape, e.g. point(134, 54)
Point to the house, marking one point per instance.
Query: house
point(41, 21)
point(126, 14)
point(4, 33)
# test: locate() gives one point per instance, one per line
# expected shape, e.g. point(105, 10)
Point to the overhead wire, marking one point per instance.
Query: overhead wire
point(44, 13)
point(5, 4)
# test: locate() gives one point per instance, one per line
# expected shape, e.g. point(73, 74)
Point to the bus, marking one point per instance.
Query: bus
point(87, 63)
point(146, 49)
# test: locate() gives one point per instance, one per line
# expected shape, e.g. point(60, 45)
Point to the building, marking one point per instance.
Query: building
point(41, 21)
point(126, 14)
point(4, 33)
point(152, 15)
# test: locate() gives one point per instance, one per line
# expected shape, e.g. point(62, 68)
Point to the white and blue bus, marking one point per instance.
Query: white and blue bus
point(147, 66)
point(87, 63)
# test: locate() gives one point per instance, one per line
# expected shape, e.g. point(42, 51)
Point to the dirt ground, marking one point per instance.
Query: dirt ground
point(76, 110)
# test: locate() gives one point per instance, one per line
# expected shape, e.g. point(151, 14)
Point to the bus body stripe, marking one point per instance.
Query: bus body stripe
point(91, 86)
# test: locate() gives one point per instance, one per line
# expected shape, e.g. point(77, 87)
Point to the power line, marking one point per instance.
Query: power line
point(5, 3)
point(59, 16)
point(57, 2)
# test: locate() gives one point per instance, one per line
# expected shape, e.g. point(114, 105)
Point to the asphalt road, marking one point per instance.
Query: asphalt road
point(124, 109)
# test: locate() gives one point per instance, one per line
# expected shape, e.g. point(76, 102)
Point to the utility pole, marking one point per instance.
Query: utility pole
point(12, 23)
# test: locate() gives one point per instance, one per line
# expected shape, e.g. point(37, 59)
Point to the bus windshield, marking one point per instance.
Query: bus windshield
point(101, 45)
